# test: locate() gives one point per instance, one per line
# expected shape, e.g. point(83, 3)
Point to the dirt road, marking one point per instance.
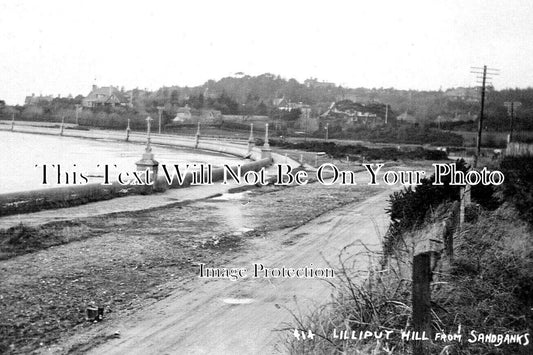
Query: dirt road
point(240, 317)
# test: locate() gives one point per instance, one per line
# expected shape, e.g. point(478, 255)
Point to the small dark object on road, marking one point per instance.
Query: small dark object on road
point(95, 313)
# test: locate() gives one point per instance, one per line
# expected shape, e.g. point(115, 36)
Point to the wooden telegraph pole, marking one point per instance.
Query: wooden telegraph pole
point(485, 72)
point(511, 107)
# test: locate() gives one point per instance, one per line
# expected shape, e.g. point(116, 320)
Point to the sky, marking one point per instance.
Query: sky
point(64, 47)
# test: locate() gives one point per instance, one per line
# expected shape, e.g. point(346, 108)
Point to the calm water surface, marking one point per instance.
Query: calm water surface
point(21, 152)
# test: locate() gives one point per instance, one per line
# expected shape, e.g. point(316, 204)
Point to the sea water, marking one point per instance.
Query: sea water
point(23, 156)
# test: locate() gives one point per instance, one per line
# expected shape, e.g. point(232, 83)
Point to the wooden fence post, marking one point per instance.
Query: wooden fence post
point(421, 302)
point(465, 194)
point(461, 207)
point(452, 225)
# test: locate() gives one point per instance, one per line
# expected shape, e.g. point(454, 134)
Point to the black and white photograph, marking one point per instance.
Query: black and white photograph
point(266, 177)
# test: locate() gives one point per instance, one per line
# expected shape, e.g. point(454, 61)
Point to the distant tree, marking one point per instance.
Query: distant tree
point(285, 115)
point(262, 109)
point(32, 113)
point(201, 101)
point(226, 105)
point(174, 97)
point(10, 110)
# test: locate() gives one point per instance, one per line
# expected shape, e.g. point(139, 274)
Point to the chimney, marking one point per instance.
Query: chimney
point(95, 87)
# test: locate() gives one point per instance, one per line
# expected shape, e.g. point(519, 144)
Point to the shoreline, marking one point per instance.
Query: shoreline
point(81, 194)
point(166, 244)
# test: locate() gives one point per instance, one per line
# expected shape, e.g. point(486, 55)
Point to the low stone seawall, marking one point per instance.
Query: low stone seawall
point(59, 197)
point(239, 149)
point(68, 196)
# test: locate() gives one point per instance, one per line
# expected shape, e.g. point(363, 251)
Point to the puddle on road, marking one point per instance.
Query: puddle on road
point(232, 196)
point(230, 209)
point(237, 300)
point(243, 230)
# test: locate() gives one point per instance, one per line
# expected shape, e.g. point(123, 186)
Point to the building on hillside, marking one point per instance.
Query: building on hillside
point(463, 94)
point(314, 83)
point(295, 106)
point(279, 102)
point(208, 115)
point(35, 100)
point(407, 117)
point(365, 117)
point(457, 117)
point(286, 105)
point(105, 96)
point(183, 114)
point(136, 95)
point(350, 113)
point(187, 115)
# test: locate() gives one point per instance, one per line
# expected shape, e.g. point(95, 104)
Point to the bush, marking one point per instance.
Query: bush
point(22, 239)
point(398, 134)
point(518, 185)
point(409, 207)
point(490, 287)
point(357, 151)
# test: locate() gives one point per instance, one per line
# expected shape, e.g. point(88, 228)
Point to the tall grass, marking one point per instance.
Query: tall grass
point(488, 288)
point(371, 299)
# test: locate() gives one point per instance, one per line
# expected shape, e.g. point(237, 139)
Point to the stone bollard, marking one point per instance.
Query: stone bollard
point(151, 166)
point(148, 164)
point(62, 126)
point(197, 140)
point(128, 131)
point(251, 141)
